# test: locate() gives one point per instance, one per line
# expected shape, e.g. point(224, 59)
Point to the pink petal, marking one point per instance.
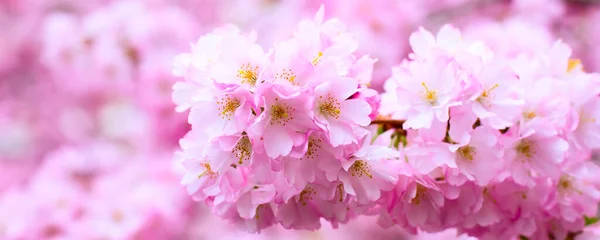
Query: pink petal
point(263, 194)
point(356, 111)
point(245, 208)
point(277, 141)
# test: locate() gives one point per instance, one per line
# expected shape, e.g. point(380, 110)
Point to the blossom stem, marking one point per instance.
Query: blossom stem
point(392, 122)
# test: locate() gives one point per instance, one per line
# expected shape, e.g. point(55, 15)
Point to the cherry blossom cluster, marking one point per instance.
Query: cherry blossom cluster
point(289, 120)
point(500, 145)
point(491, 143)
point(279, 135)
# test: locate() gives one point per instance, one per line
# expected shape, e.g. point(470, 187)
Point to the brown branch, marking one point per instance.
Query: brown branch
point(393, 122)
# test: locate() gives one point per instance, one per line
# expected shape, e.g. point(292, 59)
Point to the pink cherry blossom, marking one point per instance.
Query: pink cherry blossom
point(428, 94)
point(285, 117)
point(222, 112)
point(367, 172)
point(534, 155)
point(481, 158)
point(337, 114)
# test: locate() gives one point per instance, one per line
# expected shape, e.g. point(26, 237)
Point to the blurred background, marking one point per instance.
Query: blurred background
point(88, 131)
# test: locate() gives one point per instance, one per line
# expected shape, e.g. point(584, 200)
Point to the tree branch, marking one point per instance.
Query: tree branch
point(392, 122)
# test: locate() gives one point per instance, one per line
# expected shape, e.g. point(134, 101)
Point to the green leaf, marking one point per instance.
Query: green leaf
point(523, 238)
point(591, 220)
point(403, 140)
point(380, 130)
point(396, 140)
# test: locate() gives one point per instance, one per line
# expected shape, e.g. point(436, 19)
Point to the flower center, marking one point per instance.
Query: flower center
point(584, 119)
point(312, 151)
point(360, 168)
point(261, 206)
point(525, 148)
point(317, 59)
point(287, 75)
point(529, 115)
point(243, 149)
point(281, 113)
point(419, 195)
point(466, 152)
point(307, 195)
point(207, 171)
point(573, 64)
point(227, 106)
point(429, 95)
point(248, 74)
point(329, 106)
point(486, 92)
point(566, 184)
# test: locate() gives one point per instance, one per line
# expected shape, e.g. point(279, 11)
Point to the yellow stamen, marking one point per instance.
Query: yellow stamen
point(306, 195)
point(248, 74)
point(360, 168)
point(525, 148)
point(419, 195)
point(243, 150)
point(317, 59)
point(429, 95)
point(486, 92)
point(573, 64)
point(281, 113)
point(227, 106)
point(466, 153)
point(287, 75)
point(330, 106)
point(584, 119)
point(207, 171)
point(565, 184)
point(312, 151)
point(529, 115)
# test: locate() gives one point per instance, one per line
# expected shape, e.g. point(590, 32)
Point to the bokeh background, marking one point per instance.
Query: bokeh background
point(88, 132)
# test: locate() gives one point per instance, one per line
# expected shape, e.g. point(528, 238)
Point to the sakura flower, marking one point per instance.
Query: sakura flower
point(338, 115)
point(428, 90)
point(481, 158)
point(426, 157)
point(577, 192)
point(327, 41)
point(420, 197)
point(285, 118)
point(303, 170)
point(199, 175)
point(252, 198)
point(264, 217)
point(222, 112)
point(497, 101)
point(587, 127)
point(543, 109)
point(426, 152)
point(448, 39)
point(370, 166)
point(534, 154)
point(299, 212)
point(229, 57)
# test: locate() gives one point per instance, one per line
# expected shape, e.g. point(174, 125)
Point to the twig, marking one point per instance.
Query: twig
point(392, 122)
